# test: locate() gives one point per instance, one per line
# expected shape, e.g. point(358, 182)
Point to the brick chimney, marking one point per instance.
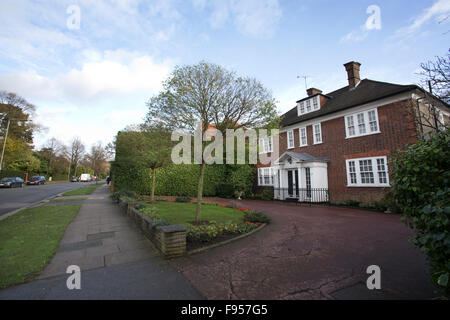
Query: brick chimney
point(313, 91)
point(353, 73)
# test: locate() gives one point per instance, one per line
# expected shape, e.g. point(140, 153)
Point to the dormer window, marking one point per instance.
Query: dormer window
point(309, 105)
point(302, 107)
point(316, 102)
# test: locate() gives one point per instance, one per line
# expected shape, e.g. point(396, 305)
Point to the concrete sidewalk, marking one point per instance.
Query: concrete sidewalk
point(116, 261)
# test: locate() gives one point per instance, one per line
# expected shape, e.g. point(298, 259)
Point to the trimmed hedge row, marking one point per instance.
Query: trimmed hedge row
point(175, 180)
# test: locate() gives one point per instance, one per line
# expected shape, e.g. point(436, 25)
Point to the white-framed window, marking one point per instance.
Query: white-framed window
point(266, 145)
point(317, 133)
point(303, 137)
point(362, 123)
point(367, 172)
point(266, 176)
point(309, 105)
point(316, 103)
point(290, 139)
point(301, 107)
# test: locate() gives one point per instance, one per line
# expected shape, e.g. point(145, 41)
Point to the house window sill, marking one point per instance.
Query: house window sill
point(368, 186)
point(362, 135)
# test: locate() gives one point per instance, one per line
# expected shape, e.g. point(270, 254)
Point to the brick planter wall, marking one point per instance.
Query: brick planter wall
point(170, 240)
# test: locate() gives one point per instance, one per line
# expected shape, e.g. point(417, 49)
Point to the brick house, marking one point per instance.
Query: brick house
point(337, 146)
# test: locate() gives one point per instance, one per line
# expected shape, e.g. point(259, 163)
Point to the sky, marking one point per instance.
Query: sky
point(90, 66)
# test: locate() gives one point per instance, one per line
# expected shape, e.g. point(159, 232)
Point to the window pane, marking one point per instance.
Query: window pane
point(382, 174)
point(290, 139)
point(361, 123)
point(350, 126)
point(373, 121)
point(317, 133)
point(308, 105)
point(303, 140)
point(302, 107)
point(316, 103)
point(366, 172)
point(352, 170)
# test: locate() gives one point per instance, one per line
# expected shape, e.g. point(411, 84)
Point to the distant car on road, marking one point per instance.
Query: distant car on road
point(85, 177)
point(11, 182)
point(36, 180)
point(74, 179)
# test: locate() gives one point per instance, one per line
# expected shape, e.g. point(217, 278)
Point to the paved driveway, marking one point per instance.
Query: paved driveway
point(313, 253)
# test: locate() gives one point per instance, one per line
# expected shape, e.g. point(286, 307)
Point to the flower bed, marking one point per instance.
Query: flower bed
point(171, 225)
point(224, 222)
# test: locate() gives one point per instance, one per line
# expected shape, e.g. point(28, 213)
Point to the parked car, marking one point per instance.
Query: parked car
point(74, 179)
point(11, 182)
point(36, 180)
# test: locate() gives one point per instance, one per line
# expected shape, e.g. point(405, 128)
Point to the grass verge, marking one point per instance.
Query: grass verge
point(28, 240)
point(68, 199)
point(83, 191)
point(184, 213)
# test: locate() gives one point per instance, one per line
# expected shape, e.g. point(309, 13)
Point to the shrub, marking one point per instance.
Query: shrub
point(352, 203)
point(225, 190)
point(381, 206)
point(255, 216)
point(183, 199)
point(420, 185)
point(267, 194)
point(123, 194)
point(205, 233)
point(242, 177)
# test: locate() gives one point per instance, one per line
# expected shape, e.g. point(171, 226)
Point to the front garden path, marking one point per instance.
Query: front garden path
point(312, 253)
point(116, 260)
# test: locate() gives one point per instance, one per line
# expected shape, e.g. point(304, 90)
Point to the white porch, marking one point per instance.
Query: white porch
point(301, 177)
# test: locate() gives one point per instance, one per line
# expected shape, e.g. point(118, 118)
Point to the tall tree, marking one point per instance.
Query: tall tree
point(149, 148)
point(97, 158)
point(76, 151)
point(437, 73)
point(16, 120)
point(208, 95)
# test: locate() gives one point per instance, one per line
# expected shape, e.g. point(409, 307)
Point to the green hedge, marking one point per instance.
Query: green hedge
point(174, 180)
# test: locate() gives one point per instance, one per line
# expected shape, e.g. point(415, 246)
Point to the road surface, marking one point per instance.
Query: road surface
point(16, 198)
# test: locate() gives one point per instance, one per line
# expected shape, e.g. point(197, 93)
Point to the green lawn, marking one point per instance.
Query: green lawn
point(83, 191)
point(184, 213)
point(28, 240)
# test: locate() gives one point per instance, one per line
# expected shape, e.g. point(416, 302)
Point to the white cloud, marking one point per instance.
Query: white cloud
point(252, 18)
point(102, 75)
point(355, 36)
point(440, 9)
point(256, 18)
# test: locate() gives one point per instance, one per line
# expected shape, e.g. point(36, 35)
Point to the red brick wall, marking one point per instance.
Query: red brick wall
point(397, 129)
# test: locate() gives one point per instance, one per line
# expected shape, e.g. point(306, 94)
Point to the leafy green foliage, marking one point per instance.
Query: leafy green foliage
point(242, 179)
point(225, 190)
point(420, 185)
point(183, 199)
point(205, 233)
point(255, 216)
